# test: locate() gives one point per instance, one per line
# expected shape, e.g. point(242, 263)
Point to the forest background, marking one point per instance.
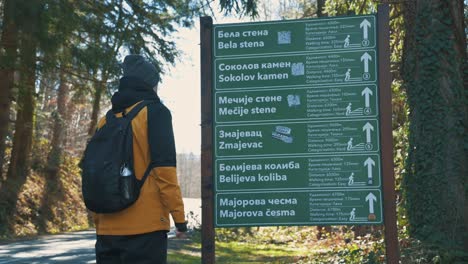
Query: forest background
point(59, 64)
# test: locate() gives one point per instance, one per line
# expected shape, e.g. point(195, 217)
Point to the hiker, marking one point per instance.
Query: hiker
point(138, 233)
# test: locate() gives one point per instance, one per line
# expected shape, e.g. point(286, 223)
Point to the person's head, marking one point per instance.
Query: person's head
point(138, 67)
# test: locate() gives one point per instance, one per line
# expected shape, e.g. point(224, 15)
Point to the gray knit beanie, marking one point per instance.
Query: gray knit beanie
point(136, 66)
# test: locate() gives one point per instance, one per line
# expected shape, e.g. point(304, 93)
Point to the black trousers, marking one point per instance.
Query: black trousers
point(149, 248)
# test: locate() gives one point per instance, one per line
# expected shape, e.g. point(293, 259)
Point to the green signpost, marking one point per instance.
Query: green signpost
point(296, 123)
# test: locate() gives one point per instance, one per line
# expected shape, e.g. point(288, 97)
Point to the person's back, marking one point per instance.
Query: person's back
point(138, 234)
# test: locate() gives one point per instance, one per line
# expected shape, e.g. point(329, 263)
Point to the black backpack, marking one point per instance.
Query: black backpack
point(108, 177)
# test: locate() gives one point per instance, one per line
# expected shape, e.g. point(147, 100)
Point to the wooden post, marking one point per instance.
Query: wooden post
point(385, 80)
point(208, 233)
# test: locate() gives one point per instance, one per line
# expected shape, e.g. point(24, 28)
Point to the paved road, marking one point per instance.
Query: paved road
point(77, 247)
point(69, 248)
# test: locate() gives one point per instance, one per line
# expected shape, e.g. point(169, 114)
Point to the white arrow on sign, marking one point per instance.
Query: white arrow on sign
point(369, 163)
point(368, 128)
point(367, 93)
point(365, 25)
point(366, 58)
point(371, 199)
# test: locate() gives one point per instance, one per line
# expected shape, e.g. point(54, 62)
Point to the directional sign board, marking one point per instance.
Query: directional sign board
point(299, 207)
point(295, 70)
point(295, 36)
point(296, 123)
point(339, 172)
point(320, 103)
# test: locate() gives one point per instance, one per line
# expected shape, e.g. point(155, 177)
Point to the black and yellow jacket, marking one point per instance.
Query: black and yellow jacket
point(160, 195)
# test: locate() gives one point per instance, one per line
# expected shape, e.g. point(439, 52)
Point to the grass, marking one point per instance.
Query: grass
point(237, 252)
point(175, 258)
point(260, 247)
point(184, 251)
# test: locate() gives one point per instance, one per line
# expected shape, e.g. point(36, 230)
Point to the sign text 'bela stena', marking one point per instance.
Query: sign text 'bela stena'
point(296, 123)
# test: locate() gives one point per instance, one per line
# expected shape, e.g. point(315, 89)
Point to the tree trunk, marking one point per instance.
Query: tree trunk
point(7, 66)
point(41, 121)
point(100, 87)
point(22, 140)
point(463, 43)
point(320, 6)
point(70, 135)
point(433, 73)
point(59, 128)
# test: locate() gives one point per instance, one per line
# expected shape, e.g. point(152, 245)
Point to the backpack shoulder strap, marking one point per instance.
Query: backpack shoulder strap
point(110, 115)
point(161, 142)
point(152, 155)
point(136, 109)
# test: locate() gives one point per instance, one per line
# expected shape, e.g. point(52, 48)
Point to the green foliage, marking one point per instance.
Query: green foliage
point(242, 7)
point(414, 251)
point(115, 27)
point(354, 253)
point(350, 7)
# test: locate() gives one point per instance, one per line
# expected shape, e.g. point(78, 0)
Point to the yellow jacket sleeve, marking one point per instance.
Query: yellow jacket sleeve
point(169, 189)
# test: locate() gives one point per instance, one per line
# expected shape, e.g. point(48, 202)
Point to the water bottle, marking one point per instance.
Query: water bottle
point(126, 182)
